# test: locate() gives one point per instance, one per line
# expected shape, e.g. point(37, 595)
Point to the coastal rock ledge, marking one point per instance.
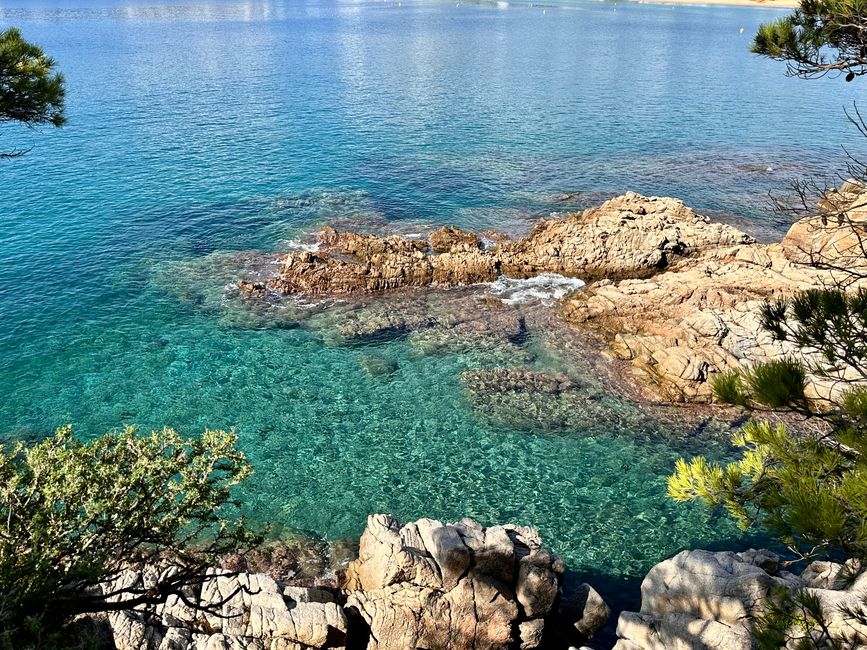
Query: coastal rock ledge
point(671, 292)
point(699, 599)
point(629, 236)
point(420, 585)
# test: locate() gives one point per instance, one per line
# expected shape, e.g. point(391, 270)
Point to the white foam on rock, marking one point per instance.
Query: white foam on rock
point(294, 245)
point(546, 288)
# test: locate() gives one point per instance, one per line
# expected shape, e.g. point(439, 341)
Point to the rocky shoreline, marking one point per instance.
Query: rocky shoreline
point(671, 296)
point(463, 586)
point(669, 291)
point(422, 584)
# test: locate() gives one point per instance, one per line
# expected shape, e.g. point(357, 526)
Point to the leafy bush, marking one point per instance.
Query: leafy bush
point(77, 514)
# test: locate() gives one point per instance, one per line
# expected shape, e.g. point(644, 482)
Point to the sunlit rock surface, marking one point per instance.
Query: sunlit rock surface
point(424, 584)
point(700, 599)
point(670, 292)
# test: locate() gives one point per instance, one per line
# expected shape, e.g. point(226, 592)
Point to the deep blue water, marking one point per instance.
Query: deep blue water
point(196, 128)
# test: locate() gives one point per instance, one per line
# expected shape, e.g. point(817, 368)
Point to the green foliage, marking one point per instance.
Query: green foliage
point(76, 514)
point(819, 37)
point(794, 619)
point(831, 322)
point(810, 495)
point(809, 490)
point(728, 388)
point(32, 92)
point(775, 384)
point(778, 383)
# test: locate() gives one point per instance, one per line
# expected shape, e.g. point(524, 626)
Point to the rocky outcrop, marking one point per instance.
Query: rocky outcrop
point(429, 585)
point(420, 585)
point(679, 327)
point(630, 236)
point(249, 611)
point(672, 293)
point(835, 237)
point(453, 240)
point(701, 317)
point(703, 600)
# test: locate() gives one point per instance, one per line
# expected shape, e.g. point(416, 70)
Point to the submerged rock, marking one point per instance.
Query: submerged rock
point(376, 365)
point(533, 400)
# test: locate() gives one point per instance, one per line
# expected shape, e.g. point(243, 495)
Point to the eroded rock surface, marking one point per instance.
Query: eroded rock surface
point(430, 585)
point(629, 236)
point(421, 585)
point(700, 599)
point(249, 611)
point(701, 316)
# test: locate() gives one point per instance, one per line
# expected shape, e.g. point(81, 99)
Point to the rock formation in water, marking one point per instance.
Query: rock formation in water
point(700, 599)
point(702, 316)
point(629, 236)
point(671, 292)
point(419, 585)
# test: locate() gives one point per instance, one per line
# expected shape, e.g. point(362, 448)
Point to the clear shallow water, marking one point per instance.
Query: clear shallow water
point(203, 127)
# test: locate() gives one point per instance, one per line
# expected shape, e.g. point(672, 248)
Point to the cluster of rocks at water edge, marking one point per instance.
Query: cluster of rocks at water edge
point(427, 585)
point(419, 585)
point(671, 292)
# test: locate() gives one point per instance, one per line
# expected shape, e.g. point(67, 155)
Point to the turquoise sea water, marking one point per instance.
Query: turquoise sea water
point(200, 128)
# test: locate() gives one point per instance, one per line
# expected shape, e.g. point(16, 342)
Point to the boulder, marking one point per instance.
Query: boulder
point(451, 240)
point(626, 237)
point(243, 611)
point(582, 614)
point(700, 599)
point(427, 584)
point(834, 237)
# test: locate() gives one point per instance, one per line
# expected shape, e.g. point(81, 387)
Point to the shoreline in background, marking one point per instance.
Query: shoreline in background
point(767, 4)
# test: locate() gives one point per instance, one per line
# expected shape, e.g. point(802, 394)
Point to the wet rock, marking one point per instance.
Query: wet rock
point(370, 322)
point(253, 289)
point(451, 240)
point(532, 400)
point(377, 366)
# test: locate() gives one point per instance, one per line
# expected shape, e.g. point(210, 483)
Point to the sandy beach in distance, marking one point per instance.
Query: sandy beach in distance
point(776, 4)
